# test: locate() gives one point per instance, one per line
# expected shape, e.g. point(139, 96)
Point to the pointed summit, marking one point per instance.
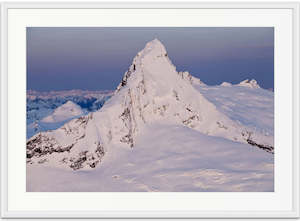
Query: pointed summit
point(155, 41)
point(152, 61)
point(154, 48)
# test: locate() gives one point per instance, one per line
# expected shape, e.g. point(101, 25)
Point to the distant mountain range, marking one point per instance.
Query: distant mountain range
point(42, 104)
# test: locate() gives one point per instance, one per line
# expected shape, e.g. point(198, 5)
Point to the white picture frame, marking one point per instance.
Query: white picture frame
point(6, 149)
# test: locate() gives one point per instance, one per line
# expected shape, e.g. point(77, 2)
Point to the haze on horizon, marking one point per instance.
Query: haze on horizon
point(97, 58)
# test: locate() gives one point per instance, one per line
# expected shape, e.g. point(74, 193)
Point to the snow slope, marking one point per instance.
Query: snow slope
point(166, 158)
point(251, 107)
point(156, 114)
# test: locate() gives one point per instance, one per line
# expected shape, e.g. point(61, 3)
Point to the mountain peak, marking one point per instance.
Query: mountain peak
point(226, 84)
point(153, 49)
point(152, 60)
point(70, 104)
point(249, 83)
point(66, 111)
point(155, 45)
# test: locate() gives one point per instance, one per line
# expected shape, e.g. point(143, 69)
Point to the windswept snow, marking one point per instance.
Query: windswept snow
point(253, 108)
point(162, 130)
point(166, 158)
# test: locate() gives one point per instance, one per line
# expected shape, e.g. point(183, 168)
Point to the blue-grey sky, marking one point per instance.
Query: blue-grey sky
point(96, 58)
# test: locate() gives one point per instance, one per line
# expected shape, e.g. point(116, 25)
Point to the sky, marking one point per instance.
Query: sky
point(63, 58)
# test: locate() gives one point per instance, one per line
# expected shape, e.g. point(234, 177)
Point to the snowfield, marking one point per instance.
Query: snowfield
point(166, 158)
point(162, 130)
point(251, 107)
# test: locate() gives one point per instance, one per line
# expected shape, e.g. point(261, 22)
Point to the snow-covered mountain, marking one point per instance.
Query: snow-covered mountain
point(249, 83)
point(40, 105)
point(56, 119)
point(64, 112)
point(161, 120)
point(226, 84)
point(151, 91)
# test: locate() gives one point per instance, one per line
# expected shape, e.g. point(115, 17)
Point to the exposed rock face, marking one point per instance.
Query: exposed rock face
point(267, 147)
point(150, 91)
point(41, 146)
